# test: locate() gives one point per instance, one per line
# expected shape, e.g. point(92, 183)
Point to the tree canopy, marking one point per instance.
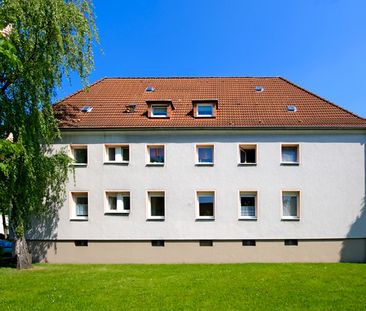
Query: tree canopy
point(41, 43)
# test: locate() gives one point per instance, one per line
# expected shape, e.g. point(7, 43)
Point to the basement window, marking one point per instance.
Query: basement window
point(291, 242)
point(158, 243)
point(248, 242)
point(206, 243)
point(81, 243)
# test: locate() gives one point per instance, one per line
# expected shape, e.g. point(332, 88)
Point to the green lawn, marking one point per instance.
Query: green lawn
point(185, 287)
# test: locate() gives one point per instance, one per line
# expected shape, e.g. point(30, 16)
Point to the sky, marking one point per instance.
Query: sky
point(317, 44)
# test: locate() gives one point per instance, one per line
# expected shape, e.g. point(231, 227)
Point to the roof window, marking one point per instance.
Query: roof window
point(259, 88)
point(150, 89)
point(130, 108)
point(86, 109)
point(291, 108)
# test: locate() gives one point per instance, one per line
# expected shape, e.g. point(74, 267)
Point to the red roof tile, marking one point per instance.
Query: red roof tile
point(239, 105)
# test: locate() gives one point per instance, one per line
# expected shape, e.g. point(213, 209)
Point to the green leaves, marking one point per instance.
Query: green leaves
point(45, 42)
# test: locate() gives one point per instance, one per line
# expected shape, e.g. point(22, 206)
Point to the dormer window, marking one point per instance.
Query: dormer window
point(158, 111)
point(160, 108)
point(204, 108)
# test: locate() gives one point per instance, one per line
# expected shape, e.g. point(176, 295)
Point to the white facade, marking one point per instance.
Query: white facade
point(330, 180)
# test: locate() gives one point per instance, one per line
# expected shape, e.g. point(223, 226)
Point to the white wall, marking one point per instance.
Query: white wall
point(331, 178)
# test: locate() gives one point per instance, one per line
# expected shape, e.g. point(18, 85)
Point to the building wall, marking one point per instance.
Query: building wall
point(353, 250)
point(331, 178)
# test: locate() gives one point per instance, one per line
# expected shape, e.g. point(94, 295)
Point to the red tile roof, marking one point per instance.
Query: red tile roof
point(239, 104)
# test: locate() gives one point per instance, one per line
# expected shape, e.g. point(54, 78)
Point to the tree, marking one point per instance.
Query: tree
point(41, 42)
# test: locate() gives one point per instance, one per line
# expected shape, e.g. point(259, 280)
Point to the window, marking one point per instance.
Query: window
point(117, 202)
point(117, 154)
point(248, 154)
point(81, 243)
point(159, 111)
point(158, 243)
point(80, 155)
point(155, 154)
point(156, 205)
point(291, 242)
point(204, 110)
point(206, 243)
point(290, 154)
point(248, 205)
point(205, 155)
point(205, 205)
point(290, 204)
point(79, 205)
point(249, 242)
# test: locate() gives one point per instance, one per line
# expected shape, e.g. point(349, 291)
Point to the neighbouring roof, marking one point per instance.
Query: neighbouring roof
point(239, 104)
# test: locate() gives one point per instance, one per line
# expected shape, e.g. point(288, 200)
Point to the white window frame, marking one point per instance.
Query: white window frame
point(149, 195)
point(72, 204)
point(147, 152)
point(120, 207)
point(120, 161)
point(248, 193)
point(298, 209)
point(256, 154)
point(199, 193)
point(72, 149)
point(204, 115)
point(159, 106)
point(197, 146)
point(297, 146)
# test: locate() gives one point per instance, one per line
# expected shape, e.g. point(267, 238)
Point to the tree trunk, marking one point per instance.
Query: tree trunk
point(24, 258)
point(5, 227)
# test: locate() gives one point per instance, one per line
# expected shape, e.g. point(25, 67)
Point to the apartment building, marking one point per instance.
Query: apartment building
point(211, 170)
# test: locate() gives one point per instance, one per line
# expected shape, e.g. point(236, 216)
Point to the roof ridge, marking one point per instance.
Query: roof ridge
point(323, 99)
point(198, 77)
point(80, 90)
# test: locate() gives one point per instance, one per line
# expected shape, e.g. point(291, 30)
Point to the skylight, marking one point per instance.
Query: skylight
point(291, 108)
point(259, 88)
point(86, 109)
point(150, 89)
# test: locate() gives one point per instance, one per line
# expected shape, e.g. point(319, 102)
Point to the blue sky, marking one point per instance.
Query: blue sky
point(318, 44)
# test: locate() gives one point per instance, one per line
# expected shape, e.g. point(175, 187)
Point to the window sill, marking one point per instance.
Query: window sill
point(248, 218)
point(80, 164)
point(116, 162)
point(205, 218)
point(155, 218)
point(79, 219)
point(155, 164)
point(290, 218)
point(290, 163)
point(159, 117)
point(247, 164)
point(116, 212)
point(204, 164)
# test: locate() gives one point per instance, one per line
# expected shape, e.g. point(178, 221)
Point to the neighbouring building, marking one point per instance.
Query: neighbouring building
point(217, 169)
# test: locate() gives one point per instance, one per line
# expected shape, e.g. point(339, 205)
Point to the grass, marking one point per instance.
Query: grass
point(185, 287)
